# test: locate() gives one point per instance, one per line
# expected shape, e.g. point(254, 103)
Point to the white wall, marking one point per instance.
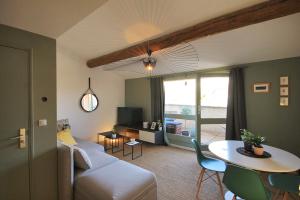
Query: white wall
point(72, 82)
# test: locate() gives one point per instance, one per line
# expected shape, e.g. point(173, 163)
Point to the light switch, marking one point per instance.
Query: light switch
point(42, 122)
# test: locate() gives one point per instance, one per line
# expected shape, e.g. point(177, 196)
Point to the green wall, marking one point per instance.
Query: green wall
point(138, 94)
point(44, 153)
point(264, 114)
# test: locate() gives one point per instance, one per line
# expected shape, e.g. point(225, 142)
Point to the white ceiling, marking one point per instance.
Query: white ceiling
point(46, 17)
point(274, 39)
point(93, 28)
point(122, 23)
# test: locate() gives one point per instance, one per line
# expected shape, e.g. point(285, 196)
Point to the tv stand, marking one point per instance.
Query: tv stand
point(146, 135)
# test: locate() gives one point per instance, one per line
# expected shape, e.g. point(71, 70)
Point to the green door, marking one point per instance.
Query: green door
point(14, 119)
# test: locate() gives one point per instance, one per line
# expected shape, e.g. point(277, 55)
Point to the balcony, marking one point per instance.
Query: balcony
point(181, 120)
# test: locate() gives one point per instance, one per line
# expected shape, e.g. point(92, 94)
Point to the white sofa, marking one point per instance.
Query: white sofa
point(108, 179)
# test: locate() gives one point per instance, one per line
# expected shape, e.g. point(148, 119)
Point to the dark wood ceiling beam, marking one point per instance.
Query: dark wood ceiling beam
point(255, 14)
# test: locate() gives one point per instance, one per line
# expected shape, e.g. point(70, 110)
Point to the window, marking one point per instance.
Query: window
point(214, 95)
point(180, 107)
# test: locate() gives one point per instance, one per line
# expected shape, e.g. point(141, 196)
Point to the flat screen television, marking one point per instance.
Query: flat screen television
point(130, 116)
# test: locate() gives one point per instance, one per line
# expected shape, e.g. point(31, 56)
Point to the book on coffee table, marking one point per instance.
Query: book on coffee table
point(132, 143)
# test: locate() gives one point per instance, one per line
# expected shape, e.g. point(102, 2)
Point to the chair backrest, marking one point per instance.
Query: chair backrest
point(245, 183)
point(200, 156)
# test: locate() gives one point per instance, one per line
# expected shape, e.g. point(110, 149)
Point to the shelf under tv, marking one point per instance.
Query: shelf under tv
point(146, 135)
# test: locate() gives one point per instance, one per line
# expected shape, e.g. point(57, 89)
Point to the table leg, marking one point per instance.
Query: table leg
point(132, 152)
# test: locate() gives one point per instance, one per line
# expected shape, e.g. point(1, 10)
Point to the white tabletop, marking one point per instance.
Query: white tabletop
point(280, 160)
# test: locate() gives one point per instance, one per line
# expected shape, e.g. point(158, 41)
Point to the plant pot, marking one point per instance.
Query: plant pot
point(258, 150)
point(248, 146)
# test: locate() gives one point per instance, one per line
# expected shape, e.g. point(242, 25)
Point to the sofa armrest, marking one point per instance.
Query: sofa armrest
point(65, 172)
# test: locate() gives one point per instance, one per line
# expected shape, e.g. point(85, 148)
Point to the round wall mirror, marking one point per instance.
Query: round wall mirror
point(89, 101)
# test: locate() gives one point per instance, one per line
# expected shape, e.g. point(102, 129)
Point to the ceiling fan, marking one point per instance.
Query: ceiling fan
point(181, 57)
point(149, 62)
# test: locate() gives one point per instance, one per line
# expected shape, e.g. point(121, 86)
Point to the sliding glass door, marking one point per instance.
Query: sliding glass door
point(206, 94)
point(213, 108)
point(180, 111)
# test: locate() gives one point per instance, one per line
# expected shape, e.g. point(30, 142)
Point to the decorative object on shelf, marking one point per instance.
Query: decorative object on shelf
point(145, 125)
point(284, 81)
point(284, 91)
point(261, 87)
point(284, 101)
point(89, 101)
point(159, 125)
point(153, 126)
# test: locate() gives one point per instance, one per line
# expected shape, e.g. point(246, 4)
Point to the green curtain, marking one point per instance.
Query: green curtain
point(158, 102)
point(236, 108)
point(157, 99)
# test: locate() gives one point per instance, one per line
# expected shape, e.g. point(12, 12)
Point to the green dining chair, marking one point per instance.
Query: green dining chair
point(245, 183)
point(211, 164)
point(288, 183)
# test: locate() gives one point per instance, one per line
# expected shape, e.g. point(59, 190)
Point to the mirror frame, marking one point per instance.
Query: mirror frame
point(84, 96)
point(89, 91)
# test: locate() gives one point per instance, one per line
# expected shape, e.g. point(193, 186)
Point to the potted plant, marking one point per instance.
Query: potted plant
point(257, 147)
point(247, 138)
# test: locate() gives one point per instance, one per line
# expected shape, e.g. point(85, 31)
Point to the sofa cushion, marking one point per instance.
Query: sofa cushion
point(88, 146)
point(81, 158)
point(117, 181)
point(95, 153)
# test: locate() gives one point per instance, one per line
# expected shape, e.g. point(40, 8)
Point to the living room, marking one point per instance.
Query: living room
point(164, 95)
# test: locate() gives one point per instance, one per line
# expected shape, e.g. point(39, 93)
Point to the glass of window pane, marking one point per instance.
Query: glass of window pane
point(182, 127)
point(214, 95)
point(180, 97)
point(180, 107)
point(212, 132)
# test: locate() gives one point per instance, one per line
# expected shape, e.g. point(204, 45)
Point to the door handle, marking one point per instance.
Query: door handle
point(21, 137)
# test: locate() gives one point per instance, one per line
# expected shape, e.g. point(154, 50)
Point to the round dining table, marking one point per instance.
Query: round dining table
point(280, 161)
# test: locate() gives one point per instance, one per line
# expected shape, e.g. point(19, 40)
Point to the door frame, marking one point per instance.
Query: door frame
point(224, 73)
point(29, 132)
point(197, 75)
point(183, 141)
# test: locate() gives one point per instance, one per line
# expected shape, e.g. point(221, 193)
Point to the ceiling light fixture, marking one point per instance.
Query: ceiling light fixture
point(149, 62)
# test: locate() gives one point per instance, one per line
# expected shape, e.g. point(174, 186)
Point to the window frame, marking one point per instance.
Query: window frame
point(185, 141)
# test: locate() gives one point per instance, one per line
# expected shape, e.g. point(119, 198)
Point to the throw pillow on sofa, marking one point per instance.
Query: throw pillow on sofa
point(81, 158)
point(66, 137)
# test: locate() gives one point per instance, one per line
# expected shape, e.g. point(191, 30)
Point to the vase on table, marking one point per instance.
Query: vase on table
point(258, 150)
